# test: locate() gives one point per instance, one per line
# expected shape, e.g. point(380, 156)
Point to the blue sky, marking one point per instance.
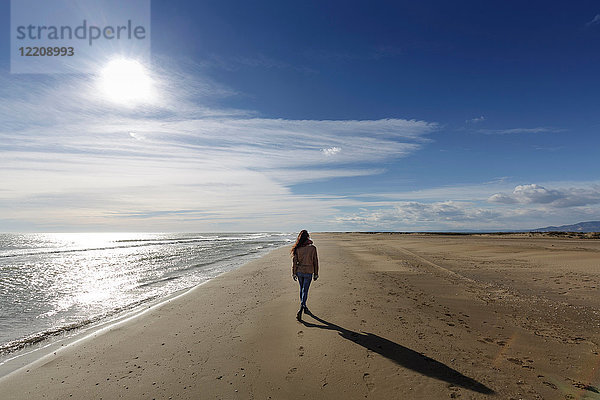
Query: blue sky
point(272, 115)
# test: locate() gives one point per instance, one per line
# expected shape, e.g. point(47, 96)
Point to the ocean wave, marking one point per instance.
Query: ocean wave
point(140, 243)
point(167, 279)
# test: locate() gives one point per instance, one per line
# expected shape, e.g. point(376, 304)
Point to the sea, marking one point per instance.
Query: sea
point(54, 284)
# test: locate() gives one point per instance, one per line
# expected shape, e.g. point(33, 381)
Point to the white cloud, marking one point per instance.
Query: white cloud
point(474, 207)
point(536, 194)
point(476, 119)
point(331, 151)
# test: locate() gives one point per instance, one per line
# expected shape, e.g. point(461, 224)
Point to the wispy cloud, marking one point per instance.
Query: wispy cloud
point(185, 163)
point(512, 131)
point(182, 163)
point(594, 21)
point(234, 63)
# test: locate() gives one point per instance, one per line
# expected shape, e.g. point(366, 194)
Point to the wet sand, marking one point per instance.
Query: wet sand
point(394, 316)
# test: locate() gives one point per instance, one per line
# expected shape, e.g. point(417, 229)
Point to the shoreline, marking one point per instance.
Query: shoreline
point(29, 354)
point(52, 345)
point(417, 317)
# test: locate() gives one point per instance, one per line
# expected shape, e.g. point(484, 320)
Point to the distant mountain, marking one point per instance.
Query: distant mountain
point(589, 226)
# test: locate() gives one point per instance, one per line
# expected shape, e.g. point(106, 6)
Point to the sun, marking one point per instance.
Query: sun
point(126, 82)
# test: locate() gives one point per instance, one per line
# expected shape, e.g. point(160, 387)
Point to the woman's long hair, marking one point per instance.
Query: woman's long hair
point(300, 241)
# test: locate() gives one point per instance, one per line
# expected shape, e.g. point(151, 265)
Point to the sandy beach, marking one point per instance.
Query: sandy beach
point(394, 316)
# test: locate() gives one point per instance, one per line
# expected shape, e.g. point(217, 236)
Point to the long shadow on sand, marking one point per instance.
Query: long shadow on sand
point(403, 356)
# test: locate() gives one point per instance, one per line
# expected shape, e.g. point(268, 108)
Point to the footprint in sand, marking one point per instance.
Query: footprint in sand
point(368, 381)
point(301, 351)
point(300, 334)
point(291, 372)
point(550, 384)
point(455, 391)
point(515, 361)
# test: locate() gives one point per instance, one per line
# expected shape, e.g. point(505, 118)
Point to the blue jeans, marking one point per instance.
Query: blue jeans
point(304, 281)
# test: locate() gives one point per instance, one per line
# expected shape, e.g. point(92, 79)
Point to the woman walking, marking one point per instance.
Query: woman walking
point(305, 265)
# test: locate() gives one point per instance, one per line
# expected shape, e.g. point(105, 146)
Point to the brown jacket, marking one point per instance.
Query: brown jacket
point(305, 260)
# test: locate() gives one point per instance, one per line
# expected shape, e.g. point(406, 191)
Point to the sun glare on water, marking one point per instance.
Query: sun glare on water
point(126, 82)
